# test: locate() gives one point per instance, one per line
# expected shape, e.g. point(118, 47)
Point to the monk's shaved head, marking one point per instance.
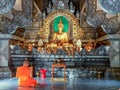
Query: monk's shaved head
point(26, 63)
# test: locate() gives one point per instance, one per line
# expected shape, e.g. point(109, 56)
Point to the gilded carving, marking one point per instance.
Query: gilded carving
point(72, 19)
point(80, 33)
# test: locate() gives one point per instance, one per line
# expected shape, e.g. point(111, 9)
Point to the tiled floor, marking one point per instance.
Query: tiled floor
point(71, 84)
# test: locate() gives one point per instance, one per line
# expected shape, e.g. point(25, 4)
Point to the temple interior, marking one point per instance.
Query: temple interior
point(76, 43)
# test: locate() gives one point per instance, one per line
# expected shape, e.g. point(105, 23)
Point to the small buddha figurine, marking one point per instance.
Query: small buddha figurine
point(60, 37)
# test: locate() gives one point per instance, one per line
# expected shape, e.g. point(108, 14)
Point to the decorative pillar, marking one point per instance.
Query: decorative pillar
point(4, 52)
point(4, 56)
point(115, 50)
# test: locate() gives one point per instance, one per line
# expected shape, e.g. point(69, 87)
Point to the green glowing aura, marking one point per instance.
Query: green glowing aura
point(64, 21)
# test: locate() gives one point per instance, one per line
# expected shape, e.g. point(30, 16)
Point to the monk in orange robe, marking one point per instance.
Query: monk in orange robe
point(24, 75)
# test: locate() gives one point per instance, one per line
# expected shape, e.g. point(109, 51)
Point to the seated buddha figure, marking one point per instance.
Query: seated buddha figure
point(60, 37)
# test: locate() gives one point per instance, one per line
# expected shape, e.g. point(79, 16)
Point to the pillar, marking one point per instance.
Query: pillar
point(115, 51)
point(4, 52)
point(4, 58)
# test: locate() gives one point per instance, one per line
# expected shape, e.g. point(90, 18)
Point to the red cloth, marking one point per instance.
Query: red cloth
point(24, 76)
point(43, 73)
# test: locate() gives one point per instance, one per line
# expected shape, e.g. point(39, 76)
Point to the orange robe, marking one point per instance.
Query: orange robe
point(24, 76)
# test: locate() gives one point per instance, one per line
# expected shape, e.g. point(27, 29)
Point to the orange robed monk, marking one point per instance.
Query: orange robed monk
point(24, 75)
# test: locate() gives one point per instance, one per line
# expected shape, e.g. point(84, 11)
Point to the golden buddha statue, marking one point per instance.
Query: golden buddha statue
point(60, 37)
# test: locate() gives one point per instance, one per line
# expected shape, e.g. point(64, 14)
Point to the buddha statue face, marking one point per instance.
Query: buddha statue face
point(60, 26)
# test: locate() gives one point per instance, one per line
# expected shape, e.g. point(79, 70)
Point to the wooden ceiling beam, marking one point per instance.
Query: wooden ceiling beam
point(39, 11)
point(83, 9)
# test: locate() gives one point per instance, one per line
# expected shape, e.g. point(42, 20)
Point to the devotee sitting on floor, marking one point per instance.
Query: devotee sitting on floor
point(24, 75)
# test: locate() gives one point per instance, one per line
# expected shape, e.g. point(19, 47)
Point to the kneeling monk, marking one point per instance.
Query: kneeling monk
point(24, 75)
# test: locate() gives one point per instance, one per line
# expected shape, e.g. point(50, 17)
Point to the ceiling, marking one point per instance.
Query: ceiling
point(42, 4)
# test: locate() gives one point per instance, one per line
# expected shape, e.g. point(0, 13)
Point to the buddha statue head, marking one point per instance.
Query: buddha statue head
point(60, 26)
